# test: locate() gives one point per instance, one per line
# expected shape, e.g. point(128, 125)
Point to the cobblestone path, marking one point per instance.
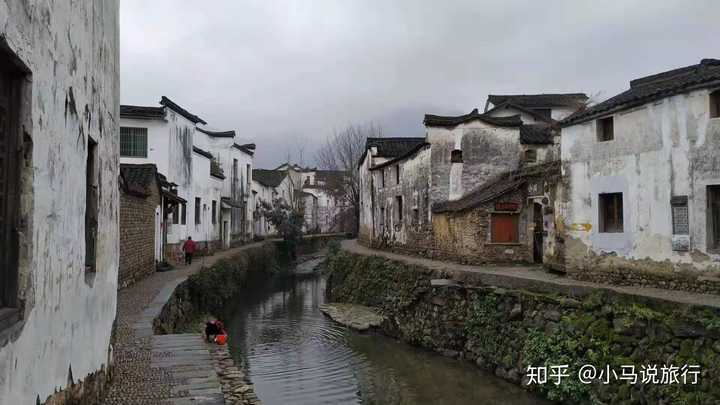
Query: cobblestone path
point(141, 376)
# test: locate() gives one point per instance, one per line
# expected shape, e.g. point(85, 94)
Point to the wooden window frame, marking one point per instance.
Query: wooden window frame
point(91, 206)
point(133, 142)
point(610, 213)
point(495, 234)
point(605, 129)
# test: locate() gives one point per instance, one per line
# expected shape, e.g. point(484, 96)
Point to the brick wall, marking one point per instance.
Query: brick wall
point(137, 237)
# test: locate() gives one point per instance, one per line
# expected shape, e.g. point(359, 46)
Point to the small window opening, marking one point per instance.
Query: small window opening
point(183, 214)
point(91, 206)
point(398, 209)
point(176, 214)
point(605, 129)
point(610, 212)
point(715, 104)
point(197, 210)
point(133, 142)
point(530, 155)
point(397, 174)
point(214, 212)
point(456, 156)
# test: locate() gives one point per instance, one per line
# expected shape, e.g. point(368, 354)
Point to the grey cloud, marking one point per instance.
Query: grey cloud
point(285, 74)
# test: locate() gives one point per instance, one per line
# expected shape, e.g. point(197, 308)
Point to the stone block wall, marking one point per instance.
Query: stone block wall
point(137, 237)
point(506, 330)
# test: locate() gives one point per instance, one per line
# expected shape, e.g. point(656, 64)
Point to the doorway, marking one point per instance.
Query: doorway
point(538, 233)
point(713, 194)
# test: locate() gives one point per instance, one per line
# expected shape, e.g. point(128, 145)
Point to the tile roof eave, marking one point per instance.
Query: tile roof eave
point(594, 112)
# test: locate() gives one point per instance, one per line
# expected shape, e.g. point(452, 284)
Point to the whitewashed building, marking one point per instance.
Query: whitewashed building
point(59, 115)
point(208, 169)
point(642, 172)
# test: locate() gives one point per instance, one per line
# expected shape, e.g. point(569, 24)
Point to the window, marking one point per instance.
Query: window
point(91, 205)
point(382, 178)
point(456, 156)
point(183, 214)
point(248, 174)
point(543, 112)
point(713, 193)
point(504, 228)
point(176, 214)
point(382, 219)
point(715, 104)
point(9, 185)
point(397, 174)
point(530, 155)
point(610, 213)
point(133, 142)
point(605, 129)
point(681, 223)
point(214, 212)
point(197, 210)
point(416, 216)
point(398, 210)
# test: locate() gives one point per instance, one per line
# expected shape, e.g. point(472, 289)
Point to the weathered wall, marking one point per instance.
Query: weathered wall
point(660, 150)
point(487, 151)
point(71, 93)
point(414, 188)
point(137, 242)
point(505, 330)
point(465, 236)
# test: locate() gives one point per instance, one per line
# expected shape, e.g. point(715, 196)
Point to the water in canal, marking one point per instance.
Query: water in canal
point(295, 355)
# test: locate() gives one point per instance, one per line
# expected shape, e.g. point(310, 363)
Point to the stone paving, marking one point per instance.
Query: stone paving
point(534, 278)
point(166, 369)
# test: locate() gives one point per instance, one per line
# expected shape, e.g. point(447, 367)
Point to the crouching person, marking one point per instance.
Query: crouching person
point(215, 332)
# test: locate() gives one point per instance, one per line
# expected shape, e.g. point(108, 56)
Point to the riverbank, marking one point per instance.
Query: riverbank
point(507, 319)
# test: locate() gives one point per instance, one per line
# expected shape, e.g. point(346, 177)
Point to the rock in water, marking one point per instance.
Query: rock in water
point(354, 316)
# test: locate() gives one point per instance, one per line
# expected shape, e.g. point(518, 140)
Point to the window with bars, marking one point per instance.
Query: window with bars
point(133, 142)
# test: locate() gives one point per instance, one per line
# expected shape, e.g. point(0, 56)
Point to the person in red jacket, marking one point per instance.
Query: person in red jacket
point(189, 249)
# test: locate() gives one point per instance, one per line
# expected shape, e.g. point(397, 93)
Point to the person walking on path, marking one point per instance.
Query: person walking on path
point(189, 249)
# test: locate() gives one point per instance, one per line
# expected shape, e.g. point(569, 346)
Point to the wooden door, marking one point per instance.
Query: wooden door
point(8, 192)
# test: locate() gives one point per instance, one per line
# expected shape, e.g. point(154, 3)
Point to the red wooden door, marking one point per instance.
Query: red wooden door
point(504, 228)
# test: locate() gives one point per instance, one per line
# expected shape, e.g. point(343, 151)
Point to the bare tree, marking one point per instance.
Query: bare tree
point(341, 152)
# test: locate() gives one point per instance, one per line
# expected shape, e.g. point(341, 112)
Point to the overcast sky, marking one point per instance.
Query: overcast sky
point(285, 74)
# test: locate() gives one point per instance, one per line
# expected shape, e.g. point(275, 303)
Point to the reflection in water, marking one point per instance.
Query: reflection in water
point(295, 355)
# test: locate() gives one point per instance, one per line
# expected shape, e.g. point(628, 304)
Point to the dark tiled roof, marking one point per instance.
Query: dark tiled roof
point(540, 100)
point(404, 156)
point(202, 152)
point(444, 121)
point(248, 148)
point(229, 201)
point(269, 178)
point(185, 113)
point(392, 147)
point(537, 134)
point(218, 134)
point(654, 87)
point(499, 186)
point(533, 113)
point(138, 179)
point(137, 111)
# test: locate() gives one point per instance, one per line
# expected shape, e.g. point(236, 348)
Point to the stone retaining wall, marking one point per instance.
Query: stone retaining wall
point(506, 330)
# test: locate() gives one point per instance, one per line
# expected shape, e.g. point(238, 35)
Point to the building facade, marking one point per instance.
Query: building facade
point(59, 199)
point(642, 180)
point(208, 170)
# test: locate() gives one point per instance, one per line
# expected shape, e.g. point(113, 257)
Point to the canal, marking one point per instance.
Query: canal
point(295, 355)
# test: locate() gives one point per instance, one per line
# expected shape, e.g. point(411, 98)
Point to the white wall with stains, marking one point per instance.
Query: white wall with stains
point(71, 93)
point(661, 149)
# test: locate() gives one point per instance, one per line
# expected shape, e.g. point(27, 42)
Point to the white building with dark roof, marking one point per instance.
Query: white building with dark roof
point(642, 173)
point(208, 168)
